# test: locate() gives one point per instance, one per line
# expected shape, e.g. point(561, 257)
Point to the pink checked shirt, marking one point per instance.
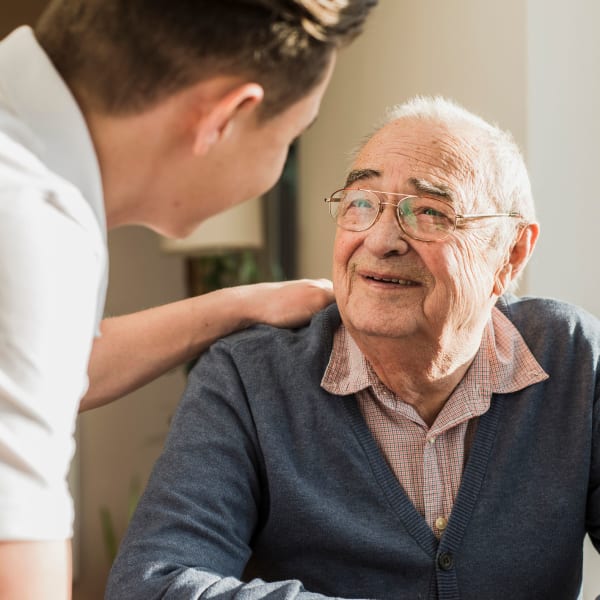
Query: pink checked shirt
point(429, 461)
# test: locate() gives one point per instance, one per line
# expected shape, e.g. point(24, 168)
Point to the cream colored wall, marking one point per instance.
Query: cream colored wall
point(564, 139)
point(470, 50)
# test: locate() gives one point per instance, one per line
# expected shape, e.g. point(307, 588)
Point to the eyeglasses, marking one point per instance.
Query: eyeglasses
point(420, 217)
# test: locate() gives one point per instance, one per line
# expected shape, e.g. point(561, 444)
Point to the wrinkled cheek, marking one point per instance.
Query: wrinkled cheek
point(342, 264)
point(341, 285)
point(473, 294)
point(470, 284)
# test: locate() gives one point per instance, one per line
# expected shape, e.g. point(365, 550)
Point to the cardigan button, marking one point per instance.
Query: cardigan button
point(445, 561)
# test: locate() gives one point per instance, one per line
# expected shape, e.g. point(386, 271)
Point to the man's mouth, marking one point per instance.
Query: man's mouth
point(403, 282)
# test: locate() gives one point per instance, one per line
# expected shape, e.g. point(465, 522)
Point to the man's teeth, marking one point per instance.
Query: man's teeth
point(396, 281)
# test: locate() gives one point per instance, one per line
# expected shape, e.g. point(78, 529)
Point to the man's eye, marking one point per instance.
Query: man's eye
point(360, 203)
point(432, 212)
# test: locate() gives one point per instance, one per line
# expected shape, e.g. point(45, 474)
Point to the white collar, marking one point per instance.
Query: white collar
point(35, 92)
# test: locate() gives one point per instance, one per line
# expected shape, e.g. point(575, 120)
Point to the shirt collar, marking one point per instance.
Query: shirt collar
point(502, 365)
point(56, 130)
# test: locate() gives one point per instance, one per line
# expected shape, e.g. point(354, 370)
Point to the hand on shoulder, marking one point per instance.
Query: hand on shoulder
point(286, 304)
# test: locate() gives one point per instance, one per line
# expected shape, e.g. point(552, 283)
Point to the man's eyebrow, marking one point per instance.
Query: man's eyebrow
point(431, 189)
point(360, 174)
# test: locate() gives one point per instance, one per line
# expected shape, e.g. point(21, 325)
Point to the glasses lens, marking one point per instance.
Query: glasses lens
point(426, 219)
point(355, 210)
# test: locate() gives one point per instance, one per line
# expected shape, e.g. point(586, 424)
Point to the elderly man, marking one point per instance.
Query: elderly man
point(431, 436)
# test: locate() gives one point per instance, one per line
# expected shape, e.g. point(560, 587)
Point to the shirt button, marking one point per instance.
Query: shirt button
point(441, 523)
point(432, 440)
point(445, 561)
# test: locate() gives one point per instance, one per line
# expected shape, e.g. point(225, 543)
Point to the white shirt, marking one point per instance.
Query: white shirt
point(53, 275)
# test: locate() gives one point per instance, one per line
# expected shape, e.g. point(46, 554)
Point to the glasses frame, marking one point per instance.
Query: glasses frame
point(457, 222)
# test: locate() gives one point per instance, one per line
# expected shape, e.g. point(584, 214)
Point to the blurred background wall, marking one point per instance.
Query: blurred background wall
point(531, 66)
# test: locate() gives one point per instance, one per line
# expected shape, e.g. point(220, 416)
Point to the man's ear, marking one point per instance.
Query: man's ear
point(517, 258)
point(214, 123)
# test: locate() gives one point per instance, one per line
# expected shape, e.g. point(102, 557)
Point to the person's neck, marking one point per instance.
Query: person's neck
point(420, 373)
point(128, 150)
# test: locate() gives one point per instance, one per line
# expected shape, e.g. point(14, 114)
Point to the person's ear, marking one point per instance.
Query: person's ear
point(215, 123)
point(517, 258)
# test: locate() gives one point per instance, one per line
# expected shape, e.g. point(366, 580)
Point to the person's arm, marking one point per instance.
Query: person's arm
point(34, 570)
point(135, 349)
point(190, 535)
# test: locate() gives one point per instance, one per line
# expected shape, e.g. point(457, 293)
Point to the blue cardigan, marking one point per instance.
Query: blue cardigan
point(263, 465)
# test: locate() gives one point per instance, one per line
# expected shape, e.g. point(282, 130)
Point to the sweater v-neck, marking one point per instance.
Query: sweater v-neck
point(473, 476)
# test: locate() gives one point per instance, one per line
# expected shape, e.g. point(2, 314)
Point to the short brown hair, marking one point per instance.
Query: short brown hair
point(122, 56)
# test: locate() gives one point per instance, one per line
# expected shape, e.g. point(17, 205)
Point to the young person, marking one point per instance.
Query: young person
point(113, 112)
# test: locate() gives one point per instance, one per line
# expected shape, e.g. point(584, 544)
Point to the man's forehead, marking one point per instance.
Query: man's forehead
point(416, 140)
point(419, 153)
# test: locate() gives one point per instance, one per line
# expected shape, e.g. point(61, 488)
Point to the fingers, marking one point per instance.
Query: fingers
point(288, 304)
point(325, 284)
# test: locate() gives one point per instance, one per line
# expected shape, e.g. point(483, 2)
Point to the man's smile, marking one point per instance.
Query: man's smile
point(394, 279)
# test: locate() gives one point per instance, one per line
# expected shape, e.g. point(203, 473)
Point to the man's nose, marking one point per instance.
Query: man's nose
point(386, 235)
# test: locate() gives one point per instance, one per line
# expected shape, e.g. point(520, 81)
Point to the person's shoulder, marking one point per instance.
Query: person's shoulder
point(29, 187)
point(21, 168)
point(261, 338)
point(18, 160)
point(551, 315)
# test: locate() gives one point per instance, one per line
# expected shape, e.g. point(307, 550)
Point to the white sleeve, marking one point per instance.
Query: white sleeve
point(50, 270)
